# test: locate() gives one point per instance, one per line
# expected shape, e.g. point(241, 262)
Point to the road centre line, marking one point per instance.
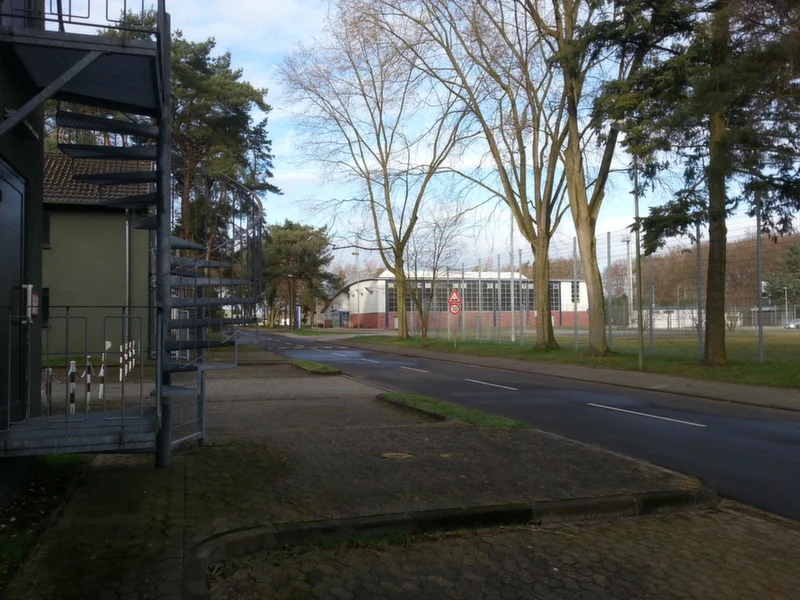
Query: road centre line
point(370, 360)
point(641, 414)
point(338, 354)
point(505, 387)
point(413, 369)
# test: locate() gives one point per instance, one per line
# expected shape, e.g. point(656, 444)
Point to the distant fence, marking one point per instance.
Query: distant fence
point(673, 295)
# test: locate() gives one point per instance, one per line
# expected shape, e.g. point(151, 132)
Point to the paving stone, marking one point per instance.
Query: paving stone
point(721, 554)
point(284, 447)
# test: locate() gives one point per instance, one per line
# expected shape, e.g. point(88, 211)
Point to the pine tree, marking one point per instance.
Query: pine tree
point(721, 103)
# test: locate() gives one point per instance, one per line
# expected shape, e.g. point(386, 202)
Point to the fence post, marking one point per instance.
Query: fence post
point(498, 304)
point(652, 303)
point(609, 318)
point(573, 289)
point(521, 302)
point(511, 289)
point(480, 301)
point(759, 292)
point(699, 278)
point(463, 306)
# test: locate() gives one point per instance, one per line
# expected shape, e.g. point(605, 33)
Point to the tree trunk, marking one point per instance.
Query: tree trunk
point(598, 343)
point(186, 198)
point(585, 222)
point(400, 288)
point(545, 338)
point(714, 351)
point(418, 298)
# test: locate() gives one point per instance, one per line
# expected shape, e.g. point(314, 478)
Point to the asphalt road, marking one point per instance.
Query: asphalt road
point(749, 454)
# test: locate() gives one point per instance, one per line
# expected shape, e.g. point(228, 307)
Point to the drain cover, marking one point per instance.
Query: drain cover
point(396, 455)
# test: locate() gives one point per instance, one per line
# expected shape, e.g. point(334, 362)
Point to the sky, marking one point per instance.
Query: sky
point(258, 34)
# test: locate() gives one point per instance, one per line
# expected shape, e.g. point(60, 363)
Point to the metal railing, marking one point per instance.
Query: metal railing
point(120, 15)
point(94, 360)
point(226, 218)
point(15, 369)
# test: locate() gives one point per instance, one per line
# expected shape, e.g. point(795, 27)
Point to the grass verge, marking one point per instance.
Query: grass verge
point(679, 361)
point(315, 367)
point(451, 410)
point(25, 516)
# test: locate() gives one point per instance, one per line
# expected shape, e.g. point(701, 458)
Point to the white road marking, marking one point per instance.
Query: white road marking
point(641, 414)
point(370, 360)
point(505, 387)
point(413, 369)
point(338, 354)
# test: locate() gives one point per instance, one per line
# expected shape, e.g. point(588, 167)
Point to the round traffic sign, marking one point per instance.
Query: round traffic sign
point(454, 309)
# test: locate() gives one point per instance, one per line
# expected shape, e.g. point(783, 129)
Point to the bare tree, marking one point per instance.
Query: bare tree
point(484, 53)
point(575, 33)
point(433, 249)
point(372, 119)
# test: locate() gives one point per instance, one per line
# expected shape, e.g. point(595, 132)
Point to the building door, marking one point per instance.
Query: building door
point(13, 343)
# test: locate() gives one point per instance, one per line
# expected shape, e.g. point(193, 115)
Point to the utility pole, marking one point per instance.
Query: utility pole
point(639, 316)
point(622, 126)
point(627, 240)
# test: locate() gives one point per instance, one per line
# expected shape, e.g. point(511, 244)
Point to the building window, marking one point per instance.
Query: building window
point(555, 296)
point(46, 230)
point(576, 292)
point(44, 307)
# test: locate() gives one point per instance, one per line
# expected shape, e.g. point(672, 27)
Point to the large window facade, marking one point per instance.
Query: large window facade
point(484, 295)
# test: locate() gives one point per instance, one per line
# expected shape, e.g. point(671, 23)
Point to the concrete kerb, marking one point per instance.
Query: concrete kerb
point(286, 361)
point(530, 367)
point(429, 414)
point(332, 371)
point(236, 544)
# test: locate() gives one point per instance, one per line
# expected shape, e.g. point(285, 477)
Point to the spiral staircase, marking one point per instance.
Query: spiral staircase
point(207, 275)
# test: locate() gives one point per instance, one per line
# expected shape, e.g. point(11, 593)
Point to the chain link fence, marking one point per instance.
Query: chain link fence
point(498, 300)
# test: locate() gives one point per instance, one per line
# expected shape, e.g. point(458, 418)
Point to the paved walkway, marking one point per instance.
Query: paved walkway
point(724, 555)
point(783, 398)
point(284, 447)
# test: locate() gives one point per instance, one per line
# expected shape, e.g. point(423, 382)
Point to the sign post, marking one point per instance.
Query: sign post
point(454, 307)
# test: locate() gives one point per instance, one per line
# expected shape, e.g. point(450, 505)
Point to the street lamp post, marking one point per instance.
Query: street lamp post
point(358, 294)
point(620, 126)
point(627, 240)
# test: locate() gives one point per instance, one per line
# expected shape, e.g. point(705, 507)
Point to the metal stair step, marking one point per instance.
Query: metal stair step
point(148, 224)
point(176, 390)
point(73, 120)
point(193, 368)
point(208, 322)
point(178, 368)
point(134, 202)
point(178, 281)
point(189, 274)
point(124, 178)
point(177, 243)
point(198, 302)
point(173, 345)
point(88, 151)
point(215, 366)
point(198, 263)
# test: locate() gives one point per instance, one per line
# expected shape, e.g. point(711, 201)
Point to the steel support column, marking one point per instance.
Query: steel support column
point(18, 116)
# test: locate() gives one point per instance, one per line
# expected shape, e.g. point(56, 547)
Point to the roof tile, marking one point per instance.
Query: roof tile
point(61, 188)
